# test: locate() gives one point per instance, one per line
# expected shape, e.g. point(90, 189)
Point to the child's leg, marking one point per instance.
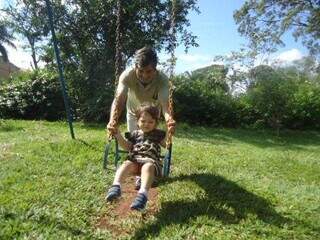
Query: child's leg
point(115, 190)
point(125, 169)
point(131, 126)
point(147, 176)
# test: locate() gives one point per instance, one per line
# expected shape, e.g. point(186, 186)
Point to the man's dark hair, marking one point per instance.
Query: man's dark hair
point(146, 56)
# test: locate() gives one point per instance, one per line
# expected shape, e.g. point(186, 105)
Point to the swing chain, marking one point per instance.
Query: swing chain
point(172, 46)
point(118, 64)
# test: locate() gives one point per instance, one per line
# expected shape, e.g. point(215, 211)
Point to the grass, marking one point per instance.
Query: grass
point(225, 184)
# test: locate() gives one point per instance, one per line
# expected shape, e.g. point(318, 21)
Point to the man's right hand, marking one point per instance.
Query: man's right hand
point(112, 128)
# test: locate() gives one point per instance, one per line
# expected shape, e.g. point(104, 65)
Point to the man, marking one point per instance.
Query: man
point(142, 84)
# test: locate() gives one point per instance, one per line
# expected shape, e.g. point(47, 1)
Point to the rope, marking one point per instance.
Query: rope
point(117, 66)
point(172, 46)
point(118, 42)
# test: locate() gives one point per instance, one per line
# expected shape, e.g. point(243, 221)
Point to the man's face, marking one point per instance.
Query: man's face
point(146, 74)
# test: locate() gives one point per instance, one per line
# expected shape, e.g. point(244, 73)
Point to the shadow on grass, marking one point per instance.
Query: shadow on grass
point(225, 201)
point(91, 146)
point(9, 128)
point(92, 126)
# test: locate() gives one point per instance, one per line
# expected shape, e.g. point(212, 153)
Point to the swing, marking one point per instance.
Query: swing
point(112, 144)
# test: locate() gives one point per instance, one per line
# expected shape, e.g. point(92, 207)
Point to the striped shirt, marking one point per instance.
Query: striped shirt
point(146, 147)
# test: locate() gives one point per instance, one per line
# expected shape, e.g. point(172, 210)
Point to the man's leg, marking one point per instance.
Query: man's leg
point(131, 122)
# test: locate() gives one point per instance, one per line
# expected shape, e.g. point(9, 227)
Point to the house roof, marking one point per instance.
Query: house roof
point(7, 68)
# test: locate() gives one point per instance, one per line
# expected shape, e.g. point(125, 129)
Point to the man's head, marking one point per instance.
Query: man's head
point(145, 64)
point(146, 56)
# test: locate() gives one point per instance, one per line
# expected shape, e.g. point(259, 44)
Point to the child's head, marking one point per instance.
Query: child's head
point(148, 117)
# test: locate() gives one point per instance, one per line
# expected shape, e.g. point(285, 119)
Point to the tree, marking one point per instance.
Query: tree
point(28, 18)
point(213, 78)
point(270, 92)
point(87, 38)
point(265, 21)
point(5, 38)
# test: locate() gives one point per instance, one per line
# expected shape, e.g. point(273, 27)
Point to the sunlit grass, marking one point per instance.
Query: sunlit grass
point(225, 184)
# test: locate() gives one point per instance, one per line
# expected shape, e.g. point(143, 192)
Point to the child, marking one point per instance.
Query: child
point(144, 156)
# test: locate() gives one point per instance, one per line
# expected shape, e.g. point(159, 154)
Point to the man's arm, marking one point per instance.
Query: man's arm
point(118, 104)
point(116, 110)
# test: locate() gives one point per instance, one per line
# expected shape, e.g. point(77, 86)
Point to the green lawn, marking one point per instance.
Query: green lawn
point(225, 184)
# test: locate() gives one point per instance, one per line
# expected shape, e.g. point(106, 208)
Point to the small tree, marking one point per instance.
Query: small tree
point(28, 18)
point(269, 94)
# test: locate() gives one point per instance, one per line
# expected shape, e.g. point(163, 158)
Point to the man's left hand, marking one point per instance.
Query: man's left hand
point(171, 125)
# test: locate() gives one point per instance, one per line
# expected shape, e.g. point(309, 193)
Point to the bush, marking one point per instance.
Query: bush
point(36, 96)
point(304, 107)
point(197, 103)
point(97, 107)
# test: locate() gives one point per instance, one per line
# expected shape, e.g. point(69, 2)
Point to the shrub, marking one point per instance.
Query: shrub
point(36, 96)
point(304, 107)
point(197, 103)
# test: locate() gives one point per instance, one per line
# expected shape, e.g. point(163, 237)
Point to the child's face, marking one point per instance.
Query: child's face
point(146, 123)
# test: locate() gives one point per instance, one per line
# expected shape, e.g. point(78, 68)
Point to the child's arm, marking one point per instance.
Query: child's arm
point(126, 145)
point(163, 143)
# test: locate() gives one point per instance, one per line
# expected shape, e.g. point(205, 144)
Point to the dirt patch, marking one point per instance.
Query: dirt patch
point(119, 216)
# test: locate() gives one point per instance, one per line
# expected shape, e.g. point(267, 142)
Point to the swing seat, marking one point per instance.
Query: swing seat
point(112, 148)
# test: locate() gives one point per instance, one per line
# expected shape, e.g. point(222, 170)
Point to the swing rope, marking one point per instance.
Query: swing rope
point(172, 46)
point(117, 68)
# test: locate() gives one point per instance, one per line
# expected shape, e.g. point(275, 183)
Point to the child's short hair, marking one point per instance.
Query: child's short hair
point(152, 110)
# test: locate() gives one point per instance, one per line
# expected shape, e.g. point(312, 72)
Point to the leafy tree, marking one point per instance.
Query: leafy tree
point(86, 32)
point(5, 38)
point(202, 97)
point(265, 21)
point(87, 38)
point(269, 94)
point(28, 18)
point(212, 77)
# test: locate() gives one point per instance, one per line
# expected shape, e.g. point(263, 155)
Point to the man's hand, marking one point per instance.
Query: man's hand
point(112, 128)
point(171, 125)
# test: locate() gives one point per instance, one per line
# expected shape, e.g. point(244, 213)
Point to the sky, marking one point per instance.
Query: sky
point(217, 35)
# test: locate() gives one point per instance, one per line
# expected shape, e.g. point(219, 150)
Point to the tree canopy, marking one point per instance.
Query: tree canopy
point(5, 38)
point(265, 21)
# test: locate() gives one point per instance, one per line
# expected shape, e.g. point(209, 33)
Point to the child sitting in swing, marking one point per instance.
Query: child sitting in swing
point(144, 156)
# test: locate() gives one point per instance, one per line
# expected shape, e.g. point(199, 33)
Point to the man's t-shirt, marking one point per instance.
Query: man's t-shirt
point(156, 93)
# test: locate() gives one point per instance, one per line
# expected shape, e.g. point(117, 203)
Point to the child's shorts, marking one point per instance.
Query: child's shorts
point(142, 160)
